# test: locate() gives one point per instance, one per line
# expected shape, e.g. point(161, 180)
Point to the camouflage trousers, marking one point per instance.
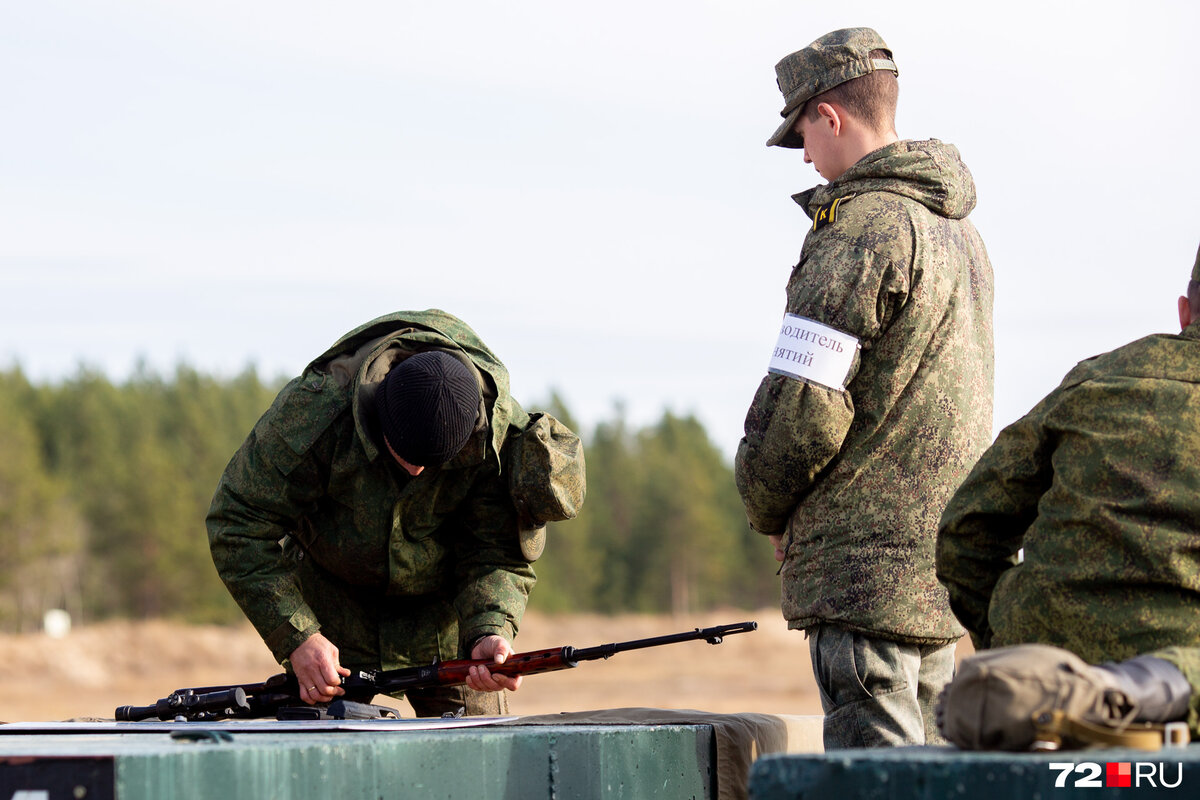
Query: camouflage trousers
point(877, 692)
point(439, 700)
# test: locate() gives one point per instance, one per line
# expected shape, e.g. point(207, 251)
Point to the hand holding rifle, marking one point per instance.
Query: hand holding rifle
point(318, 672)
point(491, 650)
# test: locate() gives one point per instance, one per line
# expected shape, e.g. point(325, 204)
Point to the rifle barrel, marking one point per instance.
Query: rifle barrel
point(713, 635)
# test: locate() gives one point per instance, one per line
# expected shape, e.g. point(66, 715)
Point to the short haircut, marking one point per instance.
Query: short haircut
point(871, 98)
point(1194, 298)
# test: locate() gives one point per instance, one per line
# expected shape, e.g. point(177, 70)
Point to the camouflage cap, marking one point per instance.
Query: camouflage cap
point(828, 62)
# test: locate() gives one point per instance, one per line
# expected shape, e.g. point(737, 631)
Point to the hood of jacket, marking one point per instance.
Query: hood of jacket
point(361, 358)
point(929, 171)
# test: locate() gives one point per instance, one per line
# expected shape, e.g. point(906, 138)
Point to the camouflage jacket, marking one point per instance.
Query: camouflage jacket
point(1100, 485)
point(856, 478)
point(395, 570)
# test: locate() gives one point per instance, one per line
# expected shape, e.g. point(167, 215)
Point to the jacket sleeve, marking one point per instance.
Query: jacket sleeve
point(493, 578)
point(266, 487)
point(1187, 660)
point(983, 526)
point(795, 429)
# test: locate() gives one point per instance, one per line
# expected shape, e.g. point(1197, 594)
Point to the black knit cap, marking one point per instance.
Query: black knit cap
point(427, 406)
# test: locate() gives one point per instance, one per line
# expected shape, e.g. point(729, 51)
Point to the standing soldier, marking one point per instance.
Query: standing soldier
point(386, 510)
point(878, 397)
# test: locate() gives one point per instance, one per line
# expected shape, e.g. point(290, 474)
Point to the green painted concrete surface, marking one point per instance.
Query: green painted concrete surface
point(942, 773)
point(482, 763)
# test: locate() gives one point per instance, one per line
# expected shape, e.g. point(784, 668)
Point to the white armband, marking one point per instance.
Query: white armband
point(813, 352)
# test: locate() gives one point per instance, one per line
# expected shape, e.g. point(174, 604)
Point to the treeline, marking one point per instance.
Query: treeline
point(104, 488)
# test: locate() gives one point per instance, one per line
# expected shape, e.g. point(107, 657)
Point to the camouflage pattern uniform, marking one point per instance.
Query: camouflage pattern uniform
point(315, 527)
point(856, 479)
point(1100, 485)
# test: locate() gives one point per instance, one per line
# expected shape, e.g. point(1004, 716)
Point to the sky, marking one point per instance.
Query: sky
point(227, 184)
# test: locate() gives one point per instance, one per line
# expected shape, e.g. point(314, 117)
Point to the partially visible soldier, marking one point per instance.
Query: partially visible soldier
point(1099, 484)
point(878, 397)
point(386, 510)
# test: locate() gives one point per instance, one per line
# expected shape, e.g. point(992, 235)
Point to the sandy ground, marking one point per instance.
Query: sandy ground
point(96, 668)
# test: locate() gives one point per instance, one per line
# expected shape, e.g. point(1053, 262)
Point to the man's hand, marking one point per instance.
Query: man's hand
point(498, 649)
point(318, 670)
point(777, 540)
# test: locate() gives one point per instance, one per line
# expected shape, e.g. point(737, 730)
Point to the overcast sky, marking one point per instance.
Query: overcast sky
point(231, 183)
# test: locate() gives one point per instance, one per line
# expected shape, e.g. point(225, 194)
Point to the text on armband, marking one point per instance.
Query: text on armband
point(804, 335)
point(804, 359)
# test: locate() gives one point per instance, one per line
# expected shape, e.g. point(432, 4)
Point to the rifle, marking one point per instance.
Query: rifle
point(279, 695)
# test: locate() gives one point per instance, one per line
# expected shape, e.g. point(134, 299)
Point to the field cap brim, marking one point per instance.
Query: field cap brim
point(785, 135)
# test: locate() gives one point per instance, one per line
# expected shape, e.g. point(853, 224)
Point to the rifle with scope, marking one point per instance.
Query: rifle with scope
point(279, 695)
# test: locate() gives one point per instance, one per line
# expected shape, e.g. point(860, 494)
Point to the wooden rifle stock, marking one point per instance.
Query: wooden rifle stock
point(452, 673)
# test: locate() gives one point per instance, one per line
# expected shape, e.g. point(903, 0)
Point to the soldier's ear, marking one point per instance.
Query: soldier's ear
point(1185, 313)
point(831, 117)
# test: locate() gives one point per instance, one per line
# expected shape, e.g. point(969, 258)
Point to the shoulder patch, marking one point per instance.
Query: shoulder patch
point(827, 213)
